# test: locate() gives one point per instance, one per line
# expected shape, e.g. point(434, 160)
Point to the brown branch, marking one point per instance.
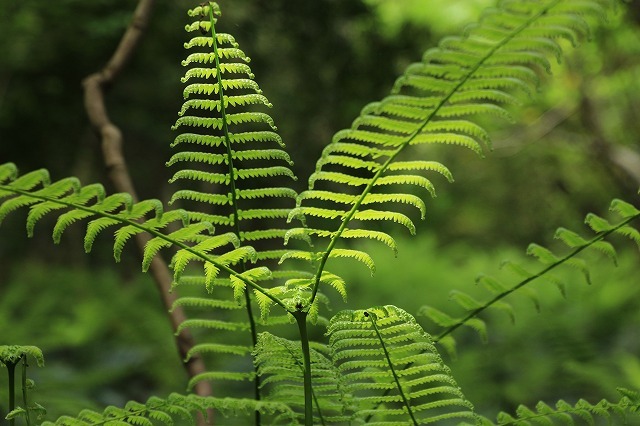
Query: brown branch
point(111, 140)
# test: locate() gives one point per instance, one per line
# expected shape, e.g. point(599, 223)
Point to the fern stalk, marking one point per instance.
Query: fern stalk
point(234, 201)
point(356, 206)
point(11, 368)
point(301, 319)
point(25, 398)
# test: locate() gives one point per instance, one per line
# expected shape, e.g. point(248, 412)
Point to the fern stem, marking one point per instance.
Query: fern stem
point(234, 201)
point(11, 368)
point(225, 127)
point(301, 319)
point(393, 370)
point(601, 236)
point(347, 218)
point(25, 399)
point(155, 233)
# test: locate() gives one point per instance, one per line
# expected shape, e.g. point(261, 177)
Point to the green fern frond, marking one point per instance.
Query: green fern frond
point(564, 413)
point(227, 143)
point(252, 194)
point(371, 198)
point(435, 102)
point(217, 123)
point(174, 408)
point(193, 240)
point(199, 302)
point(392, 370)
point(215, 376)
point(498, 290)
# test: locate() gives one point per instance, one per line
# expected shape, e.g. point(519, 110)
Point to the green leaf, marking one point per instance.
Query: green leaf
point(357, 255)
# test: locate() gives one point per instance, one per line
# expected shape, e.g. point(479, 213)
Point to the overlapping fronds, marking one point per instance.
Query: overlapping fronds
point(497, 290)
point(233, 172)
point(434, 102)
point(392, 370)
point(171, 410)
point(579, 413)
point(71, 202)
point(280, 364)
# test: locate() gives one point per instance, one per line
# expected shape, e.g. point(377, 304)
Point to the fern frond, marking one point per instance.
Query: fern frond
point(564, 413)
point(118, 210)
point(435, 102)
point(13, 354)
point(392, 370)
point(229, 143)
point(167, 411)
point(498, 290)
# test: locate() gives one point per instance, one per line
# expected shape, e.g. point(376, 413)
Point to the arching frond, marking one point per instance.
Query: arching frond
point(436, 101)
point(498, 290)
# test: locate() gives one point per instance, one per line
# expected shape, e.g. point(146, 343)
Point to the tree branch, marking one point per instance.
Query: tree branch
point(111, 142)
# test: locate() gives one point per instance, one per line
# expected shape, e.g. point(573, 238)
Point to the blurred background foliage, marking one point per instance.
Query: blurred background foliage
point(573, 148)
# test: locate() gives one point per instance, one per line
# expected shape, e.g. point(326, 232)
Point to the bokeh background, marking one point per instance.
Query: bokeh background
point(574, 147)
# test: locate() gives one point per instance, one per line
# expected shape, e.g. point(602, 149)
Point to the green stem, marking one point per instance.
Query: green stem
point(301, 319)
point(25, 399)
point(234, 199)
point(393, 370)
point(11, 368)
point(254, 341)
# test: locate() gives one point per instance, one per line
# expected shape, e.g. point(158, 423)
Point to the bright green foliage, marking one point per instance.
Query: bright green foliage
point(234, 150)
point(435, 102)
point(167, 411)
point(11, 357)
point(280, 363)
point(392, 370)
point(74, 202)
point(564, 413)
point(380, 367)
point(13, 354)
point(498, 290)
